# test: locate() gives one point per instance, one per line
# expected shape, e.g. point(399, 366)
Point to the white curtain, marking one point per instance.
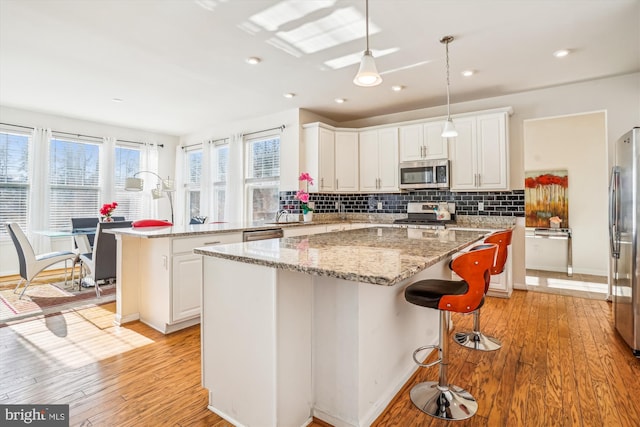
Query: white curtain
point(206, 181)
point(180, 197)
point(107, 166)
point(149, 162)
point(234, 191)
point(40, 189)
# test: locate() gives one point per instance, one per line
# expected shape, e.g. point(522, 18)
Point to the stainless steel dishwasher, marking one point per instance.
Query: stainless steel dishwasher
point(270, 233)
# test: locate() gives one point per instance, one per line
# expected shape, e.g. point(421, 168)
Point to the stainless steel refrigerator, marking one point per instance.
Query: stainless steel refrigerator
point(624, 214)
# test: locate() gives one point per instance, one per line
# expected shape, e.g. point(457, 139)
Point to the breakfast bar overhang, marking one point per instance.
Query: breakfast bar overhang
point(317, 325)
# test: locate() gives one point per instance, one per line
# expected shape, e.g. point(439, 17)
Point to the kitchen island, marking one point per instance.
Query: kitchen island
point(317, 325)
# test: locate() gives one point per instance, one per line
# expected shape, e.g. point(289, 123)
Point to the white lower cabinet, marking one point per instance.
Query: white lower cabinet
point(187, 282)
point(171, 290)
point(303, 230)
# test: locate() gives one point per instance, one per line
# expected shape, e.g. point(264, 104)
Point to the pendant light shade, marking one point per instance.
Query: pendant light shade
point(449, 130)
point(367, 73)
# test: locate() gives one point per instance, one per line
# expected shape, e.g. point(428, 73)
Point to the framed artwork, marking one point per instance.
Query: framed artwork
point(546, 199)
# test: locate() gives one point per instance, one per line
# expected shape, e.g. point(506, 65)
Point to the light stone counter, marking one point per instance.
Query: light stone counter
point(381, 256)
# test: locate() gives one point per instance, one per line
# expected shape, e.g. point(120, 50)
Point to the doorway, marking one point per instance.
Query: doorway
point(576, 145)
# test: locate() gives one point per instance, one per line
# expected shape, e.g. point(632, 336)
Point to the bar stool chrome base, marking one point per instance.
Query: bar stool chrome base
point(447, 403)
point(477, 341)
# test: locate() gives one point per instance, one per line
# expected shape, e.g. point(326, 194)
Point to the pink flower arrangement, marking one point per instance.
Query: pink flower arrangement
point(107, 209)
point(303, 195)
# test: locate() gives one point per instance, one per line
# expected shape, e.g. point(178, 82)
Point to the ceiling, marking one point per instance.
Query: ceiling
point(179, 66)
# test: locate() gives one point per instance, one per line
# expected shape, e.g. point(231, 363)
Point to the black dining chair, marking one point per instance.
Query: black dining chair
point(101, 262)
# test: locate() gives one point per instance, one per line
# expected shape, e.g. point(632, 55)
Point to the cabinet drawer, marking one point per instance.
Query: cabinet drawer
point(187, 244)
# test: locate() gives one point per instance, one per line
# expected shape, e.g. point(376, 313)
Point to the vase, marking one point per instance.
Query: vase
point(308, 217)
point(107, 219)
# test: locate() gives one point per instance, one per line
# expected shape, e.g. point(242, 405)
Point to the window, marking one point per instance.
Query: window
point(14, 179)
point(74, 170)
point(221, 163)
point(127, 162)
point(262, 181)
point(193, 179)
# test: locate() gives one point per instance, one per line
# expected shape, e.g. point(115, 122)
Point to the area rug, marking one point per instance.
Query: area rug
point(48, 298)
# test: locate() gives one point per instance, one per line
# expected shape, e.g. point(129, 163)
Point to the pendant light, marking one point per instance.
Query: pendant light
point(449, 130)
point(367, 73)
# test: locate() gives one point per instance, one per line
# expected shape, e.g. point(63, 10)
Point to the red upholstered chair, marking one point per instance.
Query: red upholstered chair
point(476, 339)
point(439, 398)
point(151, 223)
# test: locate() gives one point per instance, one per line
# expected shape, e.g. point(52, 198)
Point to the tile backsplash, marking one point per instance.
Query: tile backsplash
point(496, 203)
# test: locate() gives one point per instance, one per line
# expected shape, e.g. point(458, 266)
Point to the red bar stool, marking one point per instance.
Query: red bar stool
point(441, 399)
point(475, 339)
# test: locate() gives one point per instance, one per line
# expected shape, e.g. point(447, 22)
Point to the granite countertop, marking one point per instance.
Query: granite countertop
point(377, 255)
point(462, 221)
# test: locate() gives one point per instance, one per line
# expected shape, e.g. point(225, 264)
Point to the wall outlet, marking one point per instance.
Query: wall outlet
point(337, 205)
point(480, 206)
point(379, 206)
point(312, 204)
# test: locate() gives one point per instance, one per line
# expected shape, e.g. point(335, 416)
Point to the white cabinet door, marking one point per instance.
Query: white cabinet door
point(492, 151)
point(187, 286)
point(479, 155)
point(436, 146)
point(411, 143)
point(379, 160)
point(326, 161)
point(463, 156)
point(319, 153)
point(346, 145)
point(186, 283)
point(422, 141)
point(388, 159)
point(369, 160)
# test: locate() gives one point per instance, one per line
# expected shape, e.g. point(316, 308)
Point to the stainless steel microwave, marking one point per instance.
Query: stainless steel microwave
point(424, 174)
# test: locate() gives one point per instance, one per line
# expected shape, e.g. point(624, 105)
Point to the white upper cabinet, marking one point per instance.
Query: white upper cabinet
point(479, 154)
point(422, 141)
point(319, 151)
point(367, 159)
point(346, 164)
point(379, 160)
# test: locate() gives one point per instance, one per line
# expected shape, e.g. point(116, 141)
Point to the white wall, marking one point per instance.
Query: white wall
point(166, 160)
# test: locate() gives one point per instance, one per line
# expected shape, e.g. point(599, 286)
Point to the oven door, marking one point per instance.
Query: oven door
point(424, 174)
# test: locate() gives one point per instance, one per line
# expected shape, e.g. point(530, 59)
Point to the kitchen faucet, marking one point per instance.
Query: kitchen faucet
point(280, 213)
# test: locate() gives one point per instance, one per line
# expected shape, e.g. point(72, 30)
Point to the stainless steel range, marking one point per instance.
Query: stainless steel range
point(429, 215)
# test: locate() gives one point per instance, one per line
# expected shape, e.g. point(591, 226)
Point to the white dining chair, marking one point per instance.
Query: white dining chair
point(31, 264)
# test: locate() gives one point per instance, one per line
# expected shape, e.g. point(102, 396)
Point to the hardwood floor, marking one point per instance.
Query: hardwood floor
point(561, 364)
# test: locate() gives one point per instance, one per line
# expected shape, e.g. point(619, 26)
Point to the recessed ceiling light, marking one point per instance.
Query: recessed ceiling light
point(340, 100)
point(561, 53)
point(397, 88)
point(117, 99)
point(468, 73)
point(289, 95)
point(253, 60)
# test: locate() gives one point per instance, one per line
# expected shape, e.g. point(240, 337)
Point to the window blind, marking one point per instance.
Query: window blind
point(127, 163)
point(14, 180)
point(74, 170)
